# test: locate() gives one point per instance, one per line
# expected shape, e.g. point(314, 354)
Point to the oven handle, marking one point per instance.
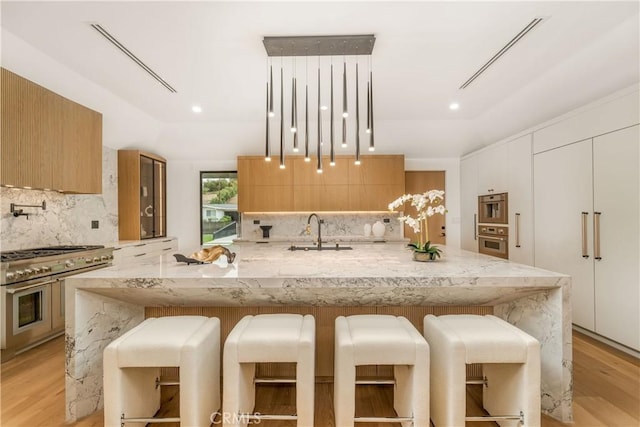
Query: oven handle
point(502, 239)
point(14, 290)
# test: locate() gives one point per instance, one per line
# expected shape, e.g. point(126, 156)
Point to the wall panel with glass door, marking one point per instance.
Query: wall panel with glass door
point(142, 199)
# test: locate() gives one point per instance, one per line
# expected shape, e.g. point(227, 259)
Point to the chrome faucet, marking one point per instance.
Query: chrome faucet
point(319, 228)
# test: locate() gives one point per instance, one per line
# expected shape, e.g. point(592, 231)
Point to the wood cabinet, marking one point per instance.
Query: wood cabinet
point(370, 186)
point(48, 141)
point(417, 182)
point(586, 222)
point(141, 195)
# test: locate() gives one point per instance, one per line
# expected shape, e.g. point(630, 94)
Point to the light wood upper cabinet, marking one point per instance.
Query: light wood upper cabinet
point(142, 198)
point(31, 132)
point(264, 187)
point(82, 159)
point(48, 141)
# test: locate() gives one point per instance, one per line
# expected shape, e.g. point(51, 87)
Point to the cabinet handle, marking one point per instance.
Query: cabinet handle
point(517, 230)
point(167, 249)
point(585, 253)
point(137, 255)
point(141, 244)
point(475, 226)
point(168, 240)
point(596, 235)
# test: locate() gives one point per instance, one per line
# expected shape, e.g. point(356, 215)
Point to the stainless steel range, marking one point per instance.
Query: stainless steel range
point(32, 291)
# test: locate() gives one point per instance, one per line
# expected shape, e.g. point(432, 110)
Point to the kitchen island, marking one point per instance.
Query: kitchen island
point(103, 304)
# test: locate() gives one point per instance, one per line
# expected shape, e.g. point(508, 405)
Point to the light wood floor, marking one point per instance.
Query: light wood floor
point(606, 392)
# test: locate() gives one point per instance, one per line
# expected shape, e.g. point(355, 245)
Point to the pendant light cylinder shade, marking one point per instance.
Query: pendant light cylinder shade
point(270, 107)
point(332, 161)
point(267, 150)
point(282, 166)
point(345, 111)
point(357, 162)
point(368, 107)
point(293, 105)
point(306, 124)
point(344, 133)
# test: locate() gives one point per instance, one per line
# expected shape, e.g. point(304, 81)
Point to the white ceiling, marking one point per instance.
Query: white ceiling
point(212, 53)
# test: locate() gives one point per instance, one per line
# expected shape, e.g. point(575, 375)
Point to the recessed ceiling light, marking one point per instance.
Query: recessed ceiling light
point(454, 106)
point(196, 109)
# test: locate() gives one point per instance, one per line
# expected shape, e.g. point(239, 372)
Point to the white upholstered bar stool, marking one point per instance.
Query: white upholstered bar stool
point(268, 338)
point(132, 365)
point(381, 340)
point(510, 361)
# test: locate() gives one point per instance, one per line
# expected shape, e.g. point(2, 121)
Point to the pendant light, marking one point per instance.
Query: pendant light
point(353, 46)
point(267, 152)
point(357, 162)
point(332, 159)
point(319, 169)
point(271, 112)
point(345, 111)
point(372, 145)
point(306, 111)
point(282, 166)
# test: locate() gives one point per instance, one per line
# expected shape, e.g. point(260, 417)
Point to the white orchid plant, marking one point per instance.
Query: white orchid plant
point(426, 204)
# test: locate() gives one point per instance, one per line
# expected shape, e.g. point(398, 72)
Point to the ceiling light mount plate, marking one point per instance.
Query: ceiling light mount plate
point(361, 44)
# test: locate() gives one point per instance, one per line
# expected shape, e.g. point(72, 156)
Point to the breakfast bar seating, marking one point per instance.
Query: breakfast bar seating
point(268, 338)
point(132, 365)
point(510, 361)
point(382, 340)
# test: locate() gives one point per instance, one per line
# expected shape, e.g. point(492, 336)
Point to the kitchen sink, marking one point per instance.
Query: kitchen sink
point(326, 247)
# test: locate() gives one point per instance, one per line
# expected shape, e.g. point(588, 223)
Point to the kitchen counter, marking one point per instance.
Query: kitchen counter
point(103, 304)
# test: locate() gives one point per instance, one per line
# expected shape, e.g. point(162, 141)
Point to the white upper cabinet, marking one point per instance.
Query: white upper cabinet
point(519, 173)
point(616, 206)
point(563, 222)
point(469, 203)
point(492, 170)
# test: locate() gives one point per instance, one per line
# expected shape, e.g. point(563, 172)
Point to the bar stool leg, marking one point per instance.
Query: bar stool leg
point(344, 380)
point(306, 377)
point(199, 377)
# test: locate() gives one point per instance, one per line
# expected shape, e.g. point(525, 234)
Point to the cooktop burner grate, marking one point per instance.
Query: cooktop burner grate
point(43, 252)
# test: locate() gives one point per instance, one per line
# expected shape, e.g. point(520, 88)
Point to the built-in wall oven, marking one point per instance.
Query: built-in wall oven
point(32, 291)
point(493, 240)
point(493, 209)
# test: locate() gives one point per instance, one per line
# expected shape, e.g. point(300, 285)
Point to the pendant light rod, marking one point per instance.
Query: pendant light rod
point(372, 145)
point(267, 152)
point(357, 162)
point(319, 170)
point(306, 110)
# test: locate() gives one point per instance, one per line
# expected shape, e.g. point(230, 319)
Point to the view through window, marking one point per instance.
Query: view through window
point(219, 218)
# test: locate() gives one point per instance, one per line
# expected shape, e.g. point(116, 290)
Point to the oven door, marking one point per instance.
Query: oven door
point(28, 313)
point(496, 246)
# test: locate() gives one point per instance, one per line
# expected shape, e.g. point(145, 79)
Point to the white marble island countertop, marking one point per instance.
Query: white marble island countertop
point(369, 274)
point(103, 304)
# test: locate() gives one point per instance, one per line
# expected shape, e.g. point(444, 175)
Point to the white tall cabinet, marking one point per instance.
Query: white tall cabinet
point(469, 203)
point(498, 169)
point(587, 225)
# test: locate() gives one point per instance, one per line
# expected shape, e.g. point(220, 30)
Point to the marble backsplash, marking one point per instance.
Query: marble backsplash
point(338, 226)
point(67, 219)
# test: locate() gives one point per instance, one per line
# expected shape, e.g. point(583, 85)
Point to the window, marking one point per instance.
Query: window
point(219, 218)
